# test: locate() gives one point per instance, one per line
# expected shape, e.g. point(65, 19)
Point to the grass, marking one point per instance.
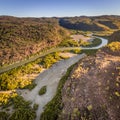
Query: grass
point(69, 43)
point(30, 86)
point(94, 43)
point(23, 110)
point(89, 52)
point(35, 106)
point(43, 90)
point(114, 46)
point(54, 107)
point(4, 116)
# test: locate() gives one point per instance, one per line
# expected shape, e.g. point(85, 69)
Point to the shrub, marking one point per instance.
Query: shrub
point(35, 107)
point(30, 86)
point(50, 59)
point(94, 43)
point(23, 114)
point(3, 116)
point(77, 51)
point(53, 108)
point(43, 90)
point(114, 46)
point(23, 111)
point(69, 43)
point(89, 52)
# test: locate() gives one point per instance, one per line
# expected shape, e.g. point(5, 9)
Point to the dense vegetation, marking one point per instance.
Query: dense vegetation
point(3, 116)
point(18, 77)
point(50, 59)
point(93, 43)
point(23, 111)
point(113, 48)
point(74, 43)
point(15, 78)
point(22, 37)
point(43, 90)
point(69, 43)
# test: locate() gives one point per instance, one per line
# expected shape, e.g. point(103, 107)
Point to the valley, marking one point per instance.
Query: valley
point(59, 68)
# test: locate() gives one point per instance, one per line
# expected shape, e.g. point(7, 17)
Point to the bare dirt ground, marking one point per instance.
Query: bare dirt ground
point(49, 78)
point(80, 37)
point(92, 91)
point(67, 54)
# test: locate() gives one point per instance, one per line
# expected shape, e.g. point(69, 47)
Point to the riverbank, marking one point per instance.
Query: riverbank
point(49, 78)
point(15, 65)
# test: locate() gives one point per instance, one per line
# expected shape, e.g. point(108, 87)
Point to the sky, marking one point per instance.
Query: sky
point(59, 8)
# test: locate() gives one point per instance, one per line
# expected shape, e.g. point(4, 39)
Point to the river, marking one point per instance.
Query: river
point(15, 65)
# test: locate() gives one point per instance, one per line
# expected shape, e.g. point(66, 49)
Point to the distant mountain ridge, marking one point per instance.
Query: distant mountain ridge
point(95, 23)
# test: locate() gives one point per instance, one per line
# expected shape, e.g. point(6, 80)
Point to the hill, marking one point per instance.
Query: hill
point(98, 23)
point(115, 36)
point(23, 37)
point(92, 91)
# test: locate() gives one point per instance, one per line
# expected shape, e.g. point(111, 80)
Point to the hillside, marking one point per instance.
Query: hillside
point(98, 23)
point(89, 90)
point(92, 91)
point(23, 37)
point(115, 36)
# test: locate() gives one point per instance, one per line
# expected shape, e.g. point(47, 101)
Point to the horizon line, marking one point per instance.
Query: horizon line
point(58, 16)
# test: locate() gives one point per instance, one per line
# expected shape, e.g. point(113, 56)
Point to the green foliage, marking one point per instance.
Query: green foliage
point(23, 114)
point(76, 112)
point(93, 43)
point(3, 116)
point(23, 111)
point(5, 97)
point(50, 59)
point(83, 43)
point(89, 52)
point(19, 102)
point(77, 51)
point(53, 108)
point(69, 43)
point(30, 86)
point(43, 90)
point(114, 46)
point(35, 107)
point(12, 79)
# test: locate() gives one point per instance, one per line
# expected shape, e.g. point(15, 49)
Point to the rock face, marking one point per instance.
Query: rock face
point(92, 92)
